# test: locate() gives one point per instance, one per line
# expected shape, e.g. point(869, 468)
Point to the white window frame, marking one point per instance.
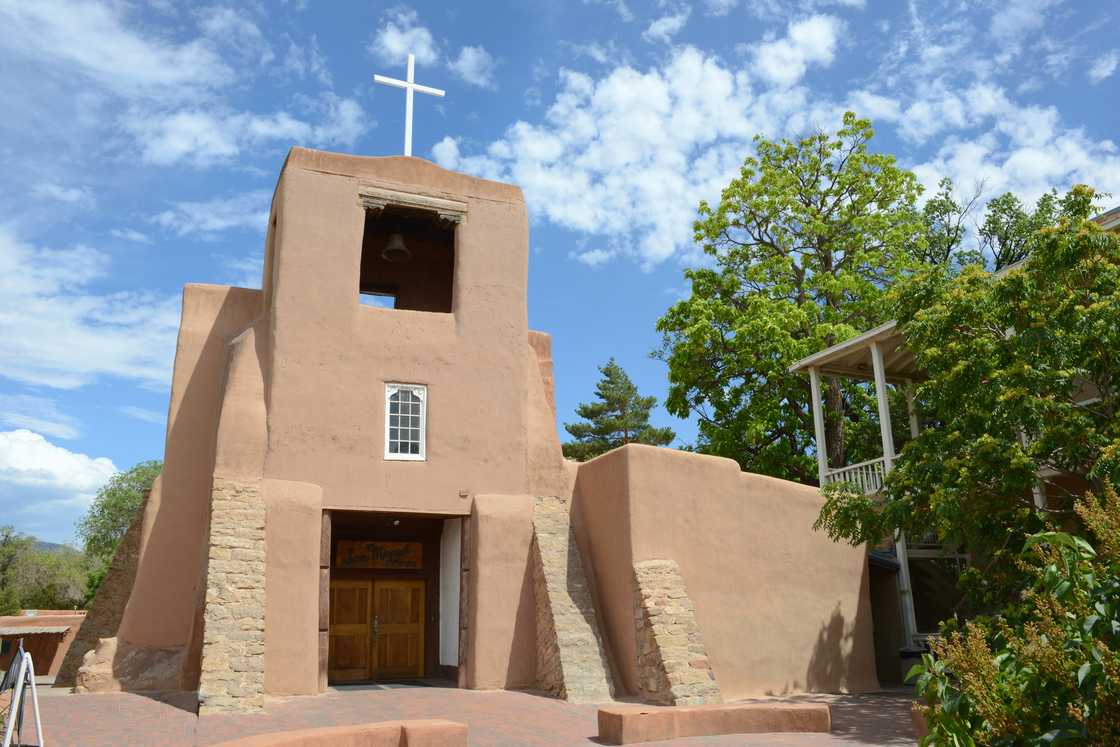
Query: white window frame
point(420, 391)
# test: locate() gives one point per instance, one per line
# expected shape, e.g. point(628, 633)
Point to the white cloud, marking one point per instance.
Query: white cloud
point(610, 52)
point(130, 234)
point(475, 66)
point(85, 71)
point(400, 33)
point(874, 106)
point(145, 415)
point(234, 29)
point(53, 191)
point(1013, 157)
point(44, 487)
point(28, 459)
point(248, 211)
point(720, 7)
point(1104, 66)
point(246, 272)
point(38, 414)
point(203, 137)
point(306, 60)
point(622, 158)
point(92, 40)
point(629, 156)
point(197, 135)
point(593, 257)
point(55, 332)
point(663, 29)
point(619, 6)
point(1014, 19)
point(811, 41)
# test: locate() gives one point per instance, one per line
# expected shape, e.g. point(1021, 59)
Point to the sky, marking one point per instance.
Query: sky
point(141, 141)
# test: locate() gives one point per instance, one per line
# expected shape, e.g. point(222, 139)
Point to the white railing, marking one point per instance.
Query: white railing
point(868, 476)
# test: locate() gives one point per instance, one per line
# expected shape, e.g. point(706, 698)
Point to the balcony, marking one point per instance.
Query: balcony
point(867, 476)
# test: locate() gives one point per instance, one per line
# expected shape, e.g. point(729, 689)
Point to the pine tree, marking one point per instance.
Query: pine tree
point(621, 416)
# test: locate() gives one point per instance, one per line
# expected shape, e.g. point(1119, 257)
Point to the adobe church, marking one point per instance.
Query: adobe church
point(363, 482)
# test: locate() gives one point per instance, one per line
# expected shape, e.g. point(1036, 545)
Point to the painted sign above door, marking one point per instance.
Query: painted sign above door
point(379, 555)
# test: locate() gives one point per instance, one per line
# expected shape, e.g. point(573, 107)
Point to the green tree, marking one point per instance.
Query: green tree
point(1009, 228)
point(34, 577)
point(621, 416)
point(803, 244)
point(1022, 381)
point(107, 519)
point(13, 546)
point(946, 228)
point(54, 578)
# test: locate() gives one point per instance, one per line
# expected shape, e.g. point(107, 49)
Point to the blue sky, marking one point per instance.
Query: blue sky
point(140, 143)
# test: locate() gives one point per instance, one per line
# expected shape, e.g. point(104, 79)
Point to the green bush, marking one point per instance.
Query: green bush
point(1046, 670)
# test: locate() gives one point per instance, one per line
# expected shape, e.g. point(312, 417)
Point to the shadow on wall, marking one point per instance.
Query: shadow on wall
point(521, 670)
point(828, 665)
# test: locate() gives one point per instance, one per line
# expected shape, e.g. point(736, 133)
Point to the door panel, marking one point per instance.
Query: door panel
point(399, 622)
point(349, 659)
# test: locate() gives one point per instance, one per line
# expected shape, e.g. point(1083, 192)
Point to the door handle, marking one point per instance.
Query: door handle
point(375, 626)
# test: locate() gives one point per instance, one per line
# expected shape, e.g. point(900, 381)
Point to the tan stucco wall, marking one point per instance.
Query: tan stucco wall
point(501, 610)
point(781, 608)
point(285, 387)
point(331, 356)
point(291, 621)
point(167, 593)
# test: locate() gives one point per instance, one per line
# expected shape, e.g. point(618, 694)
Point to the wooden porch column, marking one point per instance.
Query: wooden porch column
point(905, 592)
point(884, 406)
point(818, 425)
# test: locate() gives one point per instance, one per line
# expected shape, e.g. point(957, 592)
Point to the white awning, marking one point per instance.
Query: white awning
point(852, 358)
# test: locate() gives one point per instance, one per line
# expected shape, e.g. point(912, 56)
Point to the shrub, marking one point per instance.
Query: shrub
point(1046, 670)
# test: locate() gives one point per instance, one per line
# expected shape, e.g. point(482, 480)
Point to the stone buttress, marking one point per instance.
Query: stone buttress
point(571, 658)
point(673, 667)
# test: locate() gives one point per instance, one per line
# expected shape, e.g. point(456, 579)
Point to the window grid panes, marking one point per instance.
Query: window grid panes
point(405, 426)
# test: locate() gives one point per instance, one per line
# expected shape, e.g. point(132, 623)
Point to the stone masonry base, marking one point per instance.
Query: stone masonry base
point(233, 620)
point(673, 666)
point(571, 660)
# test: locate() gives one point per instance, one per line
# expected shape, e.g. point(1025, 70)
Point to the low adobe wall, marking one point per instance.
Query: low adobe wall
point(419, 733)
point(629, 724)
point(780, 607)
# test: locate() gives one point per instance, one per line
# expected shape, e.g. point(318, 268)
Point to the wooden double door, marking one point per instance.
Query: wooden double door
point(376, 630)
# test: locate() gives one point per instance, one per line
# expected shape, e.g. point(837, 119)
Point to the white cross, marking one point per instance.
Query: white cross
point(409, 86)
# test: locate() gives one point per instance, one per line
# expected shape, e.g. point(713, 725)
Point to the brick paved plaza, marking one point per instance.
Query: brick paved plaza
point(496, 719)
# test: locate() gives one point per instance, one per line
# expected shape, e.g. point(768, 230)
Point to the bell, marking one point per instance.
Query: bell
point(395, 250)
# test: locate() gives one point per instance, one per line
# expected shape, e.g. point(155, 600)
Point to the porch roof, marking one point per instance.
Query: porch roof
point(852, 358)
point(15, 631)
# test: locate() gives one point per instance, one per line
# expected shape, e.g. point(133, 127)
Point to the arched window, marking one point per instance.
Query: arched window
point(406, 422)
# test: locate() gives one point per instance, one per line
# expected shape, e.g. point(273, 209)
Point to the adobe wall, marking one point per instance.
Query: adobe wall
point(501, 651)
point(331, 356)
point(280, 393)
point(780, 607)
point(167, 593)
point(291, 620)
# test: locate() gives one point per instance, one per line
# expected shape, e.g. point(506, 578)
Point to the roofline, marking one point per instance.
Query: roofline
point(843, 347)
point(1109, 219)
